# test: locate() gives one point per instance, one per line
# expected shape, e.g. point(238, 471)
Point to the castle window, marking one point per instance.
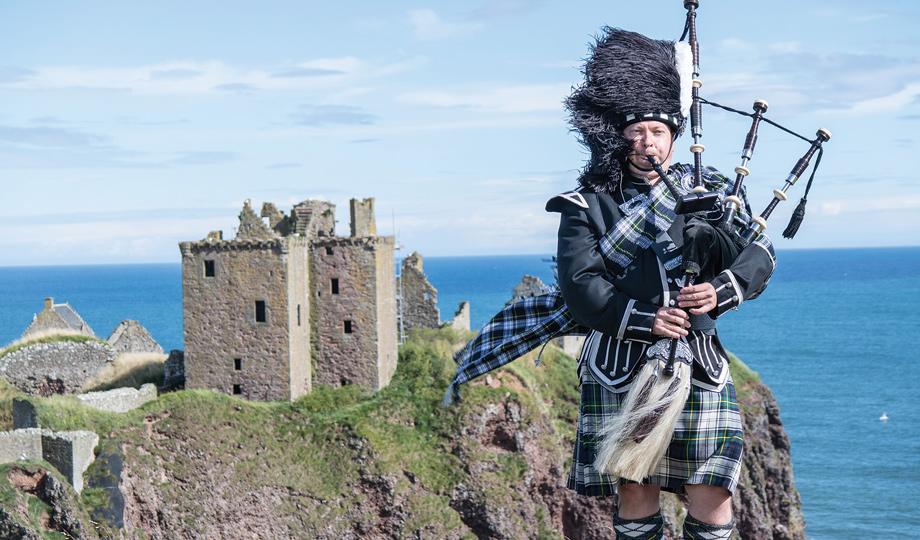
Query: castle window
point(328, 250)
point(335, 285)
point(238, 364)
point(298, 314)
point(260, 311)
point(237, 389)
point(348, 327)
point(209, 268)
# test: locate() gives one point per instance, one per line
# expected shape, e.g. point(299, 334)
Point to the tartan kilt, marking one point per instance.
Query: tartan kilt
point(706, 447)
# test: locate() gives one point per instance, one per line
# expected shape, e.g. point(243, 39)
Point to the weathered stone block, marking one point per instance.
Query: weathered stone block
point(174, 371)
point(71, 453)
point(20, 444)
point(24, 414)
point(363, 222)
point(461, 320)
point(119, 400)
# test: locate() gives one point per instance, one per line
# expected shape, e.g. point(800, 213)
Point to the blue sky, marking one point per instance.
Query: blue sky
point(127, 127)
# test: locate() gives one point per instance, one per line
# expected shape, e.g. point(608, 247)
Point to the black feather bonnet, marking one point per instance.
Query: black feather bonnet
point(628, 78)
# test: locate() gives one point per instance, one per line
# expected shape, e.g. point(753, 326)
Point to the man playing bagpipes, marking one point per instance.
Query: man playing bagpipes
point(647, 261)
point(620, 271)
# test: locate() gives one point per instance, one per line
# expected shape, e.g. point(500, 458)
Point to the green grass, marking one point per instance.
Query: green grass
point(743, 376)
point(7, 393)
point(324, 443)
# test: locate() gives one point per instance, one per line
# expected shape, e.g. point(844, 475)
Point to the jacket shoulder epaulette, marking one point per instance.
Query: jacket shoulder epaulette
point(575, 197)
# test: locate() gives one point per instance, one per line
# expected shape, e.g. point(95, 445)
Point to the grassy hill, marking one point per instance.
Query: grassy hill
point(344, 462)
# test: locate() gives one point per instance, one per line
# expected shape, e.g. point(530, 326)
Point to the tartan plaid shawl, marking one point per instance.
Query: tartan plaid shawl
point(648, 213)
point(528, 323)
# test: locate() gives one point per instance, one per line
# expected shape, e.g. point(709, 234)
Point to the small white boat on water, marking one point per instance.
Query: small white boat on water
point(883, 417)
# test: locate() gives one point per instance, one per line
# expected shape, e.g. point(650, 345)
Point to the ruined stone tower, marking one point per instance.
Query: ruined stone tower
point(286, 304)
point(420, 298)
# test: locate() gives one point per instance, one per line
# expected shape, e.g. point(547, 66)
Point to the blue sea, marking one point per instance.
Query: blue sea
point(834, 335)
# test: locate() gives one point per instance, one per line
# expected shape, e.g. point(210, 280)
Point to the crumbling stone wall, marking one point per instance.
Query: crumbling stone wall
point(21, 445)
point(528, 287)
point(419, 297)
point(345, 323)
point(313, 219)
point(225, 348)
point(71, 452)
point(277, 221)
point(130, 337)
point(461, 320)
point(60, 367)
point(174, 371)
point(251, 225)
point(363, 222)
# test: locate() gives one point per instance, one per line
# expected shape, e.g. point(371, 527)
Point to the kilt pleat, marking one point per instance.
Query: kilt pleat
point(706, 448)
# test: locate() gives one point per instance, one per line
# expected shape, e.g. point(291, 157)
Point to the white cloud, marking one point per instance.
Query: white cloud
point(145, 240)
point(428, 25)
point(734, 44)
point(374, 132)
point(506, 99)
point(878, 204)
point(833, 208)
point(192, 77)
point(786, 47)
point(891, 102)
point(491, 230)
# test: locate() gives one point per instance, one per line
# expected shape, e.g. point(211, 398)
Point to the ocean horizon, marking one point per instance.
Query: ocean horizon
point(828, 336)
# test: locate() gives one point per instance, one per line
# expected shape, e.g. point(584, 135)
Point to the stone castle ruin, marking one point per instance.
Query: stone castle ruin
point(286, 303)
point(419, 299)
point(59, 353)
point(130, 337)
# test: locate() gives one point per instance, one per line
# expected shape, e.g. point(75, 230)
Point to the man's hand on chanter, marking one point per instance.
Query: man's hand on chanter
point(701, 298)
point(671, 322)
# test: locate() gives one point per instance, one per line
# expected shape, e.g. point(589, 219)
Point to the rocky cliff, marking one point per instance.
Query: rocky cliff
point(343, 463)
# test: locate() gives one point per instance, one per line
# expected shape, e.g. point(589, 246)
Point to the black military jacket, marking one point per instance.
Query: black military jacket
point(620, 308)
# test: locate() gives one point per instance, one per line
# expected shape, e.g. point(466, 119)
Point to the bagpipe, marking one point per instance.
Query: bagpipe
point(635, 440)
point(699, 200)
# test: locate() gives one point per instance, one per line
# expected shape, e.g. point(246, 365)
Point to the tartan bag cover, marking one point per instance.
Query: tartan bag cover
point(530, 322)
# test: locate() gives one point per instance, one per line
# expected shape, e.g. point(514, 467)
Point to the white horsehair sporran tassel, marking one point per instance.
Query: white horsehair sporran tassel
point(635, 440)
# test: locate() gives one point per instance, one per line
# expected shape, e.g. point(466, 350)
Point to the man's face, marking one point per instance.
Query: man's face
point(649, 138)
